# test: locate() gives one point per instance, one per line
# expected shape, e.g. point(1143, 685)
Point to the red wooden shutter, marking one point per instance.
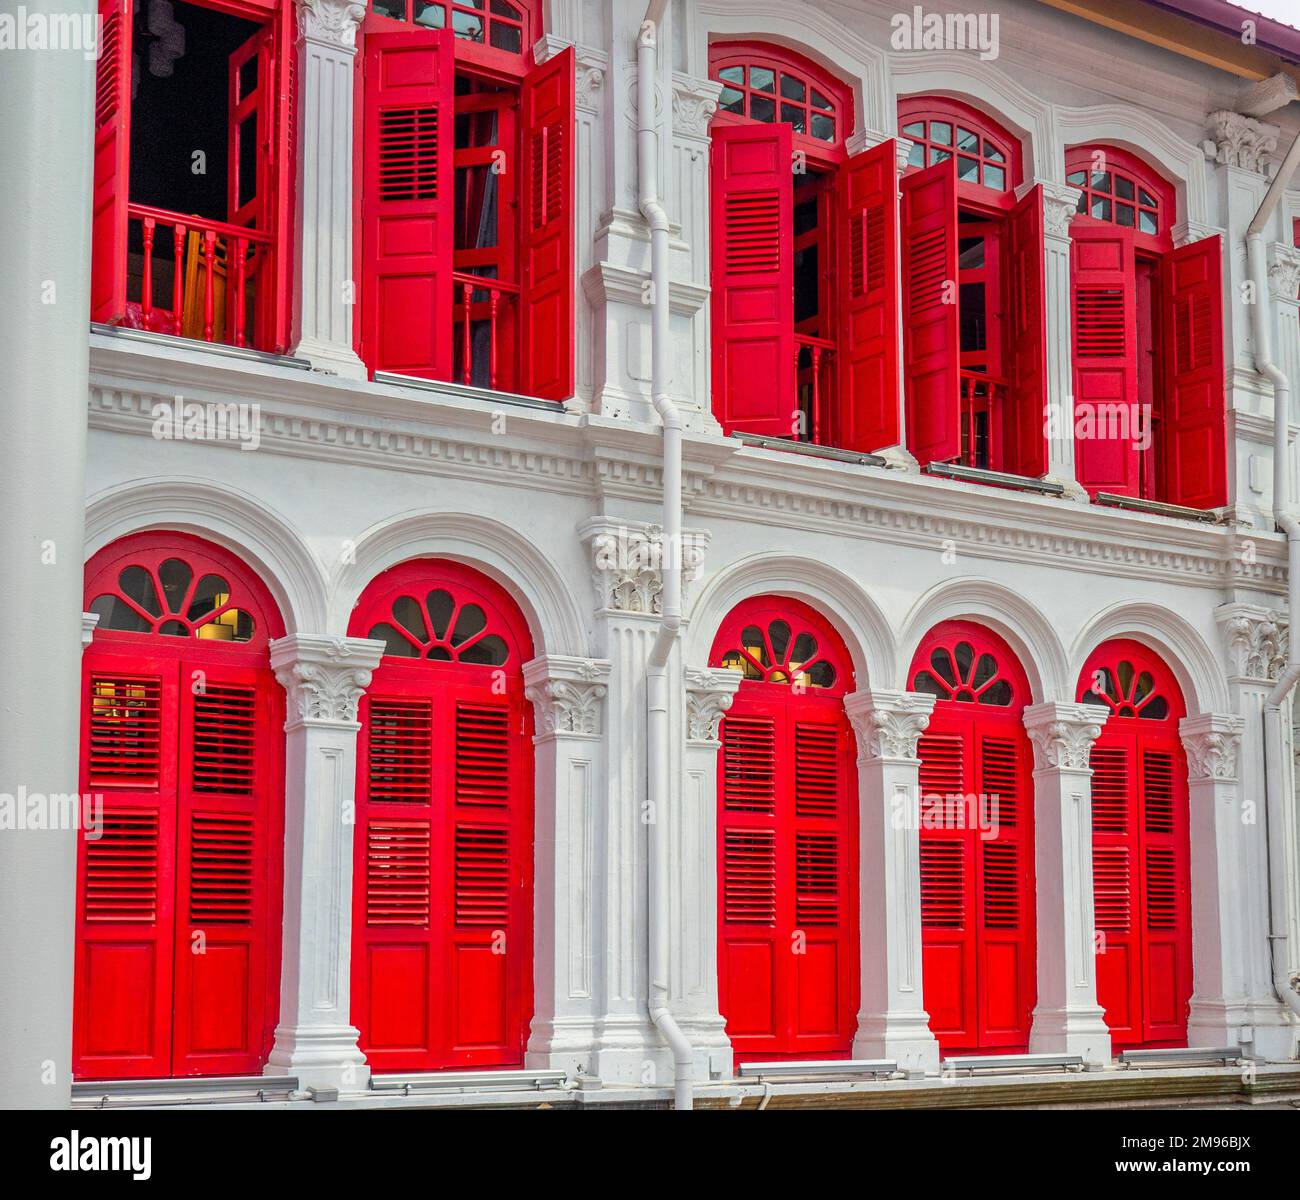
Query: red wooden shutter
point(112, 162)
point(126, 881)
point(865, 415)
point(1028, 341)
point(1195, 454)
point(1166, 898)
point(1104, 288)
point(284, 179)
point(753, 279)
point(406, 208)
point(931, 339)
point(548, 126)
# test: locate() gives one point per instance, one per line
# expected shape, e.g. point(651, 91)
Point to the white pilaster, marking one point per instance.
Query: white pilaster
point(1067, 1017)
point(1284, 292)
point(327, 35)
point(892, 1021)
point(568, 696)
point(324, 678)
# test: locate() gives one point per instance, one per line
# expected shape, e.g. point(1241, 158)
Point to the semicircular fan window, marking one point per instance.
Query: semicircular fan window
point(174, 600)
point(960, 672)
point(1127, 692)
point(777, 654)
point(441, 627)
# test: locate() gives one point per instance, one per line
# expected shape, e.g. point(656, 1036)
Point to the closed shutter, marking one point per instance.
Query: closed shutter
point(406, 205)
point(1104, 320)
point(753, 279)
point(1114, 876)
point(548, 265)
point(112, 162)
point(749, 876)
point(1166, 894)
point(1195, 454)
point(1028, 342)
point(931, 342)
point(865, 416)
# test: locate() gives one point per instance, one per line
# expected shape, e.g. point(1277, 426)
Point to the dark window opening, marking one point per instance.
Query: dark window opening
point(981, 331)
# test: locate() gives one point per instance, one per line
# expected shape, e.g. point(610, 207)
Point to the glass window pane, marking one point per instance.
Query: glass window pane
point(914, 129)
point(1100, 181)
point(211, 593)
point(1123, 187)
point(761, 108)
point(916, 155)
point(732, 75)
point(762, 79)
point(820, 101)
point(389, 8)
point(793, 88)
point(468, 27)
point(795, 115)
point(1078, 178)
point(1124, 215)
point(394, 643)
point(823, 128)
point(732, 100)
point(137, 584)
point(430, 15)
point(503, 9)
point(941, 132)
point(967, 140)
point(968, 168)
point(1147, 222)
point(507, 37)
point(411, 617)
point(995, 177)
point(439, 605)
point(992, 153)
point(1147, 198)
point(1082, 206)
point(470, 621)
point(490, 651)
point(1100, 208)
point(938, 156)
point(175, 574)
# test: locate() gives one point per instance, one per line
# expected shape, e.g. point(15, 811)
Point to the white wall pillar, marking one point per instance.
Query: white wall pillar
point(46, 140)
point(892, 1021)
point(324, 678)
point(568, 697)
point(1067, 1017)
point(326, 293)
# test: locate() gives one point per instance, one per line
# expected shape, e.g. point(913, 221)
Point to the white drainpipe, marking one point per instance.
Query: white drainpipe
point(657, 709)
point(1284, 975)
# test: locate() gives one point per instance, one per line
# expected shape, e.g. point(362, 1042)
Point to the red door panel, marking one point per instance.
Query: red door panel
point(112, 162)
point(1027, 346)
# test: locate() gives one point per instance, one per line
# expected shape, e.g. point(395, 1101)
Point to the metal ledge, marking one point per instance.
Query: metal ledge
point(195, 346)
point(1156, 508)
point(819, 1068)
point(114, 1091)
point(1024, 483)
point(485, 395)
point(1012, 1062)
point(1185, 1056)
point(442, 1081)
point(810, 449)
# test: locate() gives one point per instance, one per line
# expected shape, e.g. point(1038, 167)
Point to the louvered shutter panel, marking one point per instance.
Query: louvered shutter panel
point(931, 341)
point(749, 764)
point(749, 876)
point(398, 873)
point(1193, 428)
point(483, 745)
point(1001, 778)
point(1001, 899)
point(1028, 341)
point(865, 414)
point(112, 162)
point(753, 279)
point(548, 262)
point(1111, 890)
point(1166, 898)
point(1104, 321)
point(399, 745)
point(406, 203)
point(943, 883)
point(283, 176)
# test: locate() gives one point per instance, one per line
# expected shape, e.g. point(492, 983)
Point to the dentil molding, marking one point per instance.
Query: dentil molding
point(1255, 639)
point(1213, 745)
point(887, 723)
point(709, 693)
point(1237, 140)
point(566, 693)
point(1063, 734)
point(324, 677)
point(334, 22)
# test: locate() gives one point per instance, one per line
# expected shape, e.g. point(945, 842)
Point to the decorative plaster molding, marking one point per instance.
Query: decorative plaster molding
point(334, 22)
point(566, 693)
point(1265, 96)
point(88, 622)
point(709, 693)
point(694, 103)
point(1237, 140)
point(324, 676)
point(627, 559)
point(1186, 232)
point(887, 723)
point(589, 83)
point(1213, 745)
point(1255, 639)
point(1063, 734)
point(1060, 207)
point(1283, 272)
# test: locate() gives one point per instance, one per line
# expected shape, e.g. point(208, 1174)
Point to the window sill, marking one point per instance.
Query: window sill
point(192, 345)
point(1022, 483)
point(1156, 508)
point(446, 388)
point(810, 450)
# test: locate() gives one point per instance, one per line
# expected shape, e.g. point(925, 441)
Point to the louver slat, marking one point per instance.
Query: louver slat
point(1109, 789)
point(816, 870)
point(749, 764)
point(1099, 322)
point(108, 68)
point(1110, 886)
point(1001, 885)
point(399, 751)
point(943, 883)
point(753, 232)
point(1000, 783)
point(1161, 888)
point(546, 157)
point(816, 770)
point(482, 754)
point(749, 877)
point(1158, 791)
point(929, 258)
point(125, 732)
point(408, 153)
point(942, 780)
point(221, 869)
point(121, 868)
point(397, 873)
point(482, 875)
point(225, 732)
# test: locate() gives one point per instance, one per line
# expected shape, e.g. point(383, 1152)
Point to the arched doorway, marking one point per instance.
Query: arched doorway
point(787, 836)
point(443, 886)
point(178, 895)
point(1141, 847)
point(977, 841)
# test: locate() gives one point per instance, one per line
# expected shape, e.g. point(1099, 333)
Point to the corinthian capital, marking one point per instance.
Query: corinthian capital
point(566, 693)
point(1237, 140)
point(1255, 639)
point(708, 695)
point(1063, 734)
point(1283, 272)
point(332, 21)
point(1213, 744)
point(888, 724)
point(323, 676)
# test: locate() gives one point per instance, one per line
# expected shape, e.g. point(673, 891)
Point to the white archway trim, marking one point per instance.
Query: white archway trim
point(547, 602)
point(262, 538)
point(1197, 668)
point(836, 596)
point(1028, 632)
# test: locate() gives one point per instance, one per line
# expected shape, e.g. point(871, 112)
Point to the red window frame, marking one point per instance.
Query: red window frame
point(1141, 846)
point(991, 135)
point(1103, 173)
point(479, 53)
point(977, 893)
point(443, 886)
point(787, 836)
point(179, 900)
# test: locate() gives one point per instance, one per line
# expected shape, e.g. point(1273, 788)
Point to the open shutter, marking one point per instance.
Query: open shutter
point(753, 280)
point(1104, 320)
point(1195, 455)
point(1028, 342)
point(278, 308)
point(548, 218)
point(866, 414)
point(931, 335)
point(112, 162)
point(406, 208)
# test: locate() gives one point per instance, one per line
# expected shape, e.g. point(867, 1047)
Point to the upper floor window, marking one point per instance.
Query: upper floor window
point(939, 129)
point(497, 24)
point(1119, 189)
point(769, 85)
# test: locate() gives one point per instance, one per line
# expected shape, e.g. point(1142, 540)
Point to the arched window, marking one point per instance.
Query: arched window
point(941, 129)
point(507, 26)
point(182, 736)
point(787, 816)
point(442, 949)
point(1120, 189)
point(1141, 850)
point(977, 841)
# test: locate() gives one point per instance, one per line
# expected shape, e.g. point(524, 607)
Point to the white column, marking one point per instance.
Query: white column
point(892, 1021)
point(1284, 290)
point(1067, 1017)
point(568, 697)
point(326, 293)
point(324, 678)
point(46, 139)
